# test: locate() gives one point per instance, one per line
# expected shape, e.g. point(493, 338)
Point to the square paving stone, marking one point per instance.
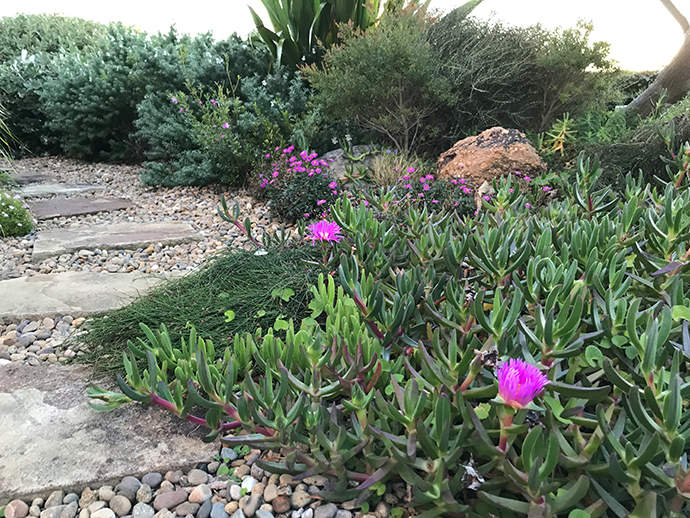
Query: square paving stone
point(117, 236)
point(62, 206)
point(48, 189)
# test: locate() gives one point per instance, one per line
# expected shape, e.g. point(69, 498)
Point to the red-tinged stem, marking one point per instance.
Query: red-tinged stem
point(506, 421)
point(468, 380)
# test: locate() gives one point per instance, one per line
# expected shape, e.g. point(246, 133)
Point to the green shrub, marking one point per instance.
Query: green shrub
point(200, 136)
point(47, 33)
point(516, 76)
point(15, 219)
point(383, 79)
point(93, 99)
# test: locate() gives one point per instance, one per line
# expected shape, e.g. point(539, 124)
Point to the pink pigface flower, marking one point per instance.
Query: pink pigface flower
point(333, 185)
point(519, 383)
point(527, 179)
point(324, 232)
point(410, 169)
point(422, 180)
point(426, 187)
point(546, 188)
point(174, 100)
point(321, 202)
point(429, 177)
point(226, 125)
point(527, 205)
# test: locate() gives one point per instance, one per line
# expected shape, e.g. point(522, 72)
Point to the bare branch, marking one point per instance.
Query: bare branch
point(682, 20)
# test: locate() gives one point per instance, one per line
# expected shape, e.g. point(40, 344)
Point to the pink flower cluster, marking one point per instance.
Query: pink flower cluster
point(288, 162)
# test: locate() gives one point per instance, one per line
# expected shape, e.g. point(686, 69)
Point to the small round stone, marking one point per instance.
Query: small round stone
point(186, 508)
point(169, 500)
point(197, 477)
point(145, 494)
point(281, 504)
point(326, 511)
point(106, 493)
point(55, 498)
point(200, 494)
point(16, 509)
point(231, 507)
point(70, 497)
point(235, 492)
point(120, 505)
point(103, 513)
point(142, 510)
point(96, 506)
point(218, 511)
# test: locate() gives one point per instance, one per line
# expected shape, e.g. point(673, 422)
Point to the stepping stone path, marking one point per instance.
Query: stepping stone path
point(52, 439)
point(29, 178)
point(48, 189)
point(62, 206)
point(70, 293)
point(118, 236)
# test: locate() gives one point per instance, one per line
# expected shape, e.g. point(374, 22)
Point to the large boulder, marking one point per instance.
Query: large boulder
point(492, 153)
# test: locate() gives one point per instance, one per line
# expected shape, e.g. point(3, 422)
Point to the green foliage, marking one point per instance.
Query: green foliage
point(49, 33)
point(15, 219)
point(240, 282)
point(514, 76)
point(299, 25)
point(199, 136)
point(384, 80)
point(394, 375)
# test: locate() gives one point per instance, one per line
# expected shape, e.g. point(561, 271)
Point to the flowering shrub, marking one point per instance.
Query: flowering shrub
point(15, 219)
point(296, 184)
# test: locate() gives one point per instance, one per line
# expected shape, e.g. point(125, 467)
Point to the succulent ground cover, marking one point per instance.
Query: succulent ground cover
point(524, 361)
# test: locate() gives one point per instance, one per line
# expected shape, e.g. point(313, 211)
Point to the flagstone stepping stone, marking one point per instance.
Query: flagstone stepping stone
point(115, 236)
point(51, 439)
point(62, 206)
point(70, 293)
point(49, 189)
point(29, 178)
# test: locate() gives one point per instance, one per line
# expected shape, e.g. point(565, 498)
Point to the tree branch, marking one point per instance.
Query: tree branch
point(682, 20)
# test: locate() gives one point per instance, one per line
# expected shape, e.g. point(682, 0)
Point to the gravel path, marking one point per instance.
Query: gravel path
point(195, 205)
point(46, 340)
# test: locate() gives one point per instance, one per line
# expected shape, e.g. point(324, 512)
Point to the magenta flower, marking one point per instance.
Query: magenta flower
point(520, 382)
point(321, 202)
point(174, 100)
point(324, 231)
point(333, 185)
point(226, 125)
point(426, 187)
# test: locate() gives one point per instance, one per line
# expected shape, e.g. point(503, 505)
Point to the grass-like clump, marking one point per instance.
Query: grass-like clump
point(237, 281)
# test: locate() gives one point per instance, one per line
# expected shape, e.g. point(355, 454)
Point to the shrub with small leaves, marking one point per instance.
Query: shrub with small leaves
point(296, 184)
point(15, 219)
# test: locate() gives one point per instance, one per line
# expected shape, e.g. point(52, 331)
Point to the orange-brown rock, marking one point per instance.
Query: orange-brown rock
point(492, 153)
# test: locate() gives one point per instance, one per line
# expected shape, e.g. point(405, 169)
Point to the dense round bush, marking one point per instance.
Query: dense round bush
point(517, 76)
point(15, 219)
point(296, 184)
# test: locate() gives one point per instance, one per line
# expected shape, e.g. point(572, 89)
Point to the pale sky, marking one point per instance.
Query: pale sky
point(643, 35)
